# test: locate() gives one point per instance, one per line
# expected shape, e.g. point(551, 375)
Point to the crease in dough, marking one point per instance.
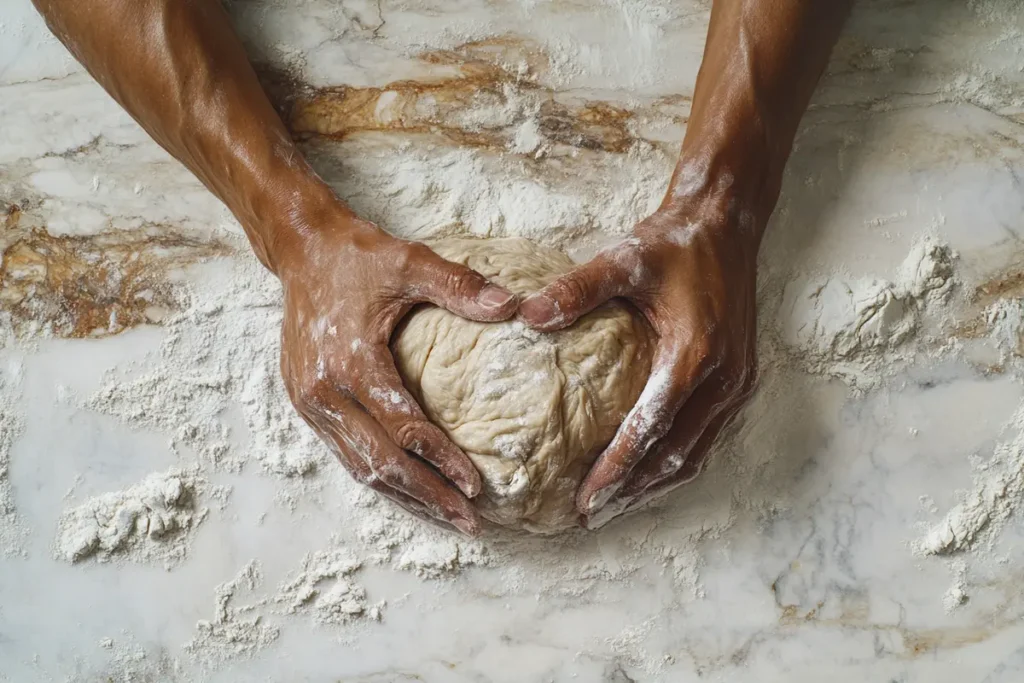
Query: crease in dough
point(532, 410)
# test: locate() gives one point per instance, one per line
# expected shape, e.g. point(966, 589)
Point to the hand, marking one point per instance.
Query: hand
point(692, 274)
point(344, 293)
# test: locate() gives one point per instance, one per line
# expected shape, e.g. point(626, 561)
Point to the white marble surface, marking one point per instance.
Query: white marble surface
point(918, 126)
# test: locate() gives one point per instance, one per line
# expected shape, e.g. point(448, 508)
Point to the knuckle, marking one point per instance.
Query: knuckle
point(459, 280)
point(408, 256)
point(413, 435)
point(571, 290)
point(311, 390)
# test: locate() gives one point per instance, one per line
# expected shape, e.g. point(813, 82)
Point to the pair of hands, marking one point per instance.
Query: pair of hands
point(691, 272)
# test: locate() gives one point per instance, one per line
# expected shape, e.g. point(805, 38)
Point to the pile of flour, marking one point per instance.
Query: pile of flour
point(997, 493)
point(324, 588)
point(998, 487)
point(855, 329)
point(151, 521)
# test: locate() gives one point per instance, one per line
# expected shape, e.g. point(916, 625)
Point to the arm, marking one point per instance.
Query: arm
point(177, 67)
point(691, 266)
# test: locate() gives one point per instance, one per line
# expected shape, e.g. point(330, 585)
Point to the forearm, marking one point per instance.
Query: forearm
point(179, 69)
point(761, 63)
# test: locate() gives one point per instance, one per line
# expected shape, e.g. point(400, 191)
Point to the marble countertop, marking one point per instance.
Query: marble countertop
point(791, 560)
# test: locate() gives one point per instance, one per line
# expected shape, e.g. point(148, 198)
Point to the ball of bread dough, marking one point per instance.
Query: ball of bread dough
point(532, 410)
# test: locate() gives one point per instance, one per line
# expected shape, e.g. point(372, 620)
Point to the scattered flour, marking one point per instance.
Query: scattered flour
point(420, 193)
point(1005, 319)
point(12, 532)
point(973, 524)
point(957, 593)
point(131, 661)
point(997, 493)
point(213, 357)
point(151, 521)
point(232, 633)
point(854, 329)
point(324, 587)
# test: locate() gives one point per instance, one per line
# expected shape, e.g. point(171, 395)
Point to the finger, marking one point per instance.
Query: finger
point(647, 486)
point(419, 510)
point(463, 291)
point(678, 370)
point(611, 273)
point(373, 459)
point(386, 399)
point(633, 493)
point(679, 456)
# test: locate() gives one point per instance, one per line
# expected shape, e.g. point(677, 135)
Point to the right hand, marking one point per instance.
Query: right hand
point(346, 287)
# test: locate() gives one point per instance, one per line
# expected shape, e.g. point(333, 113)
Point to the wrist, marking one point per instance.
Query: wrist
point(719, 200)
point(732, 155)
point(287, 219)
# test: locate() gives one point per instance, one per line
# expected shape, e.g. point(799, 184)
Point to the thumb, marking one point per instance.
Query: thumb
point(465, 292)
point(574, 294)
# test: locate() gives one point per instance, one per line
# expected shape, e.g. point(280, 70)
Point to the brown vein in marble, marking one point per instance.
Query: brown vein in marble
point(855, 614)
point(483, 81)
point(1005, 285)
point(95, 285)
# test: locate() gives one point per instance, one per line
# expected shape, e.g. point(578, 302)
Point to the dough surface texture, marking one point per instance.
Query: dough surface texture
point(532, 410)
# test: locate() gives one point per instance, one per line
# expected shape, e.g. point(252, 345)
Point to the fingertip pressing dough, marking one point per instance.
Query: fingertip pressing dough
point(532, 410)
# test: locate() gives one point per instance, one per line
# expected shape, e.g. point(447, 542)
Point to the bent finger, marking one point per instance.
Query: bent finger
point(637, 491)
point(560, 304)
point(419, 510)
point(462, 290)
point(374, 460)
point(680, 456)
point(675, 376)
point(386, 399)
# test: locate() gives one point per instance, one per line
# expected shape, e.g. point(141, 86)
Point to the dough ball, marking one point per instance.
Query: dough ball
point(532, 410)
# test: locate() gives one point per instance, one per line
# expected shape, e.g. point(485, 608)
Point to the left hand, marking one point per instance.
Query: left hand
point(692, 273)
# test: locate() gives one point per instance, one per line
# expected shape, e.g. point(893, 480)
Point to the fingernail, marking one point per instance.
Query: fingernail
point(466, 526)
point(537, 308)
point(470, 487)
point(493, 296)
point(598, 499)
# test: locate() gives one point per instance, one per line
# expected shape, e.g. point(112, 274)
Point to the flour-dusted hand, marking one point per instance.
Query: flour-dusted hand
point(185, 78)
point(346, 289)
point(691, 267)
point(692, 276)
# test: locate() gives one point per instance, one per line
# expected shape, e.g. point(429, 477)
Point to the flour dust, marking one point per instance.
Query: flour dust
point(857, 329)
point(223, 356)
point(151, 521)
point(12, 424)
